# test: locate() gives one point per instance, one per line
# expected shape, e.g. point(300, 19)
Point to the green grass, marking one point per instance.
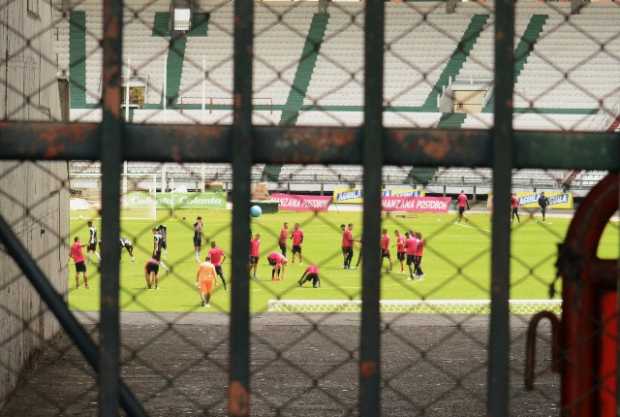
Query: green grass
point(456, 260)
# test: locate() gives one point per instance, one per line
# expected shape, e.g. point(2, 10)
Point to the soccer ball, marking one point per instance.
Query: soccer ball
point(256, 211)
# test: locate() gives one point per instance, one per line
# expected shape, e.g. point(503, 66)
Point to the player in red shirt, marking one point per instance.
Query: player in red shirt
point(278, 262)
point(151, 271)
point(411, 245)
point(254, 254)
point(347, 245)
point(310, 274)
point(385, 249)
point(77, 255)
point(217, 257)
point(514, 204)
point(400, 249)
point(297, 236)
point(462, 203)
point(282, 238)
point(419, 252)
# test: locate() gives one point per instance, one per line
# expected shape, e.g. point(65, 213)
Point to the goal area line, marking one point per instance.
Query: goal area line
point(412, 306)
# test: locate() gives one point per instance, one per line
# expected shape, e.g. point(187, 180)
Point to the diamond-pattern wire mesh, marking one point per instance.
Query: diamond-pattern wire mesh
point(437, 66)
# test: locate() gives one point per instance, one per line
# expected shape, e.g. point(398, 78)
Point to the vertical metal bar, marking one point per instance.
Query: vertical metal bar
point(370, 342)
point(111, 165)
point(499, 331)
point(239, 379)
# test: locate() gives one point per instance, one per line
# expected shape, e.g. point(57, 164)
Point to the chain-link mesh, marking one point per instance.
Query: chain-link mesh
point(306, 230)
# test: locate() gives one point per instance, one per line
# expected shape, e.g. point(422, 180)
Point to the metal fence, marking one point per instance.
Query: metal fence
point(291, 96)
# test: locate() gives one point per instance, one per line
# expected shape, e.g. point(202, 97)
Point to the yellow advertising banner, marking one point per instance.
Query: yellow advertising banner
point(529, 199)
point(348, 195)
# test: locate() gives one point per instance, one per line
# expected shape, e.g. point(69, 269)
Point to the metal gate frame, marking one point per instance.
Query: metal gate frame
point(112, 142)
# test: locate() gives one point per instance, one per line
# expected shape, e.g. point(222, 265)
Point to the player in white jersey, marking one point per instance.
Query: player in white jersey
point(91, 246)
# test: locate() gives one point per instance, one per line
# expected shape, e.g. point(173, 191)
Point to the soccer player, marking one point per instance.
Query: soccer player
point(419, 253)
point(92, 240)
point(151, 271)
point(514, 204)
point(344, 253)
point(462, 203)
point(206, 280)
point(347, 245)
point(543, 202)
point(163, 233)
point(254, 254)
point(278, 262)
point(400, 249)
point(217, 259)
point(77, 255)
point(297, 237)
point(359, 256)
point(385, 249)
point(156, 243)
point(198, 238)
point(157, 248)
point(411, 245)
point(282, 238)
point(310, 274)
point(128, 246)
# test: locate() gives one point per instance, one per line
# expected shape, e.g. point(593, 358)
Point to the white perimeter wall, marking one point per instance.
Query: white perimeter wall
point(24, 321)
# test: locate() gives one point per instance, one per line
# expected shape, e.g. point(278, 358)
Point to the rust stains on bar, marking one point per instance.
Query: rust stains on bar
point(45, 140)
point(368, 368)
point(238, 400)
point(306, 145)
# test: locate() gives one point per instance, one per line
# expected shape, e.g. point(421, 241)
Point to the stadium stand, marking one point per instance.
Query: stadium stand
point(314, 77)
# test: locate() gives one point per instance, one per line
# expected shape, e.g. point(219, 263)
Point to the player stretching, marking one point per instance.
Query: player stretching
point(543, 202)
point(282, 238)
point(278, 262)
point(217, 259)
point(411, 245)
point(514, 204)
point(78, 258)
point(205, 280)
point(92, 241)
point(310, 274)
point(151, 271)
point(297, 237)
point(385, 249)
point(400, 249)
point(197, 238)
point(128, 246)
point(462, 203)
point(347, 245)
point(419, 253)
point(254, 254)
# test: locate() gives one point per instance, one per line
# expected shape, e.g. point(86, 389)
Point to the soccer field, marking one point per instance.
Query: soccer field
point(456, 260)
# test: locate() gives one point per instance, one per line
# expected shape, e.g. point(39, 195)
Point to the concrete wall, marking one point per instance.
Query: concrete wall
point(29, 91)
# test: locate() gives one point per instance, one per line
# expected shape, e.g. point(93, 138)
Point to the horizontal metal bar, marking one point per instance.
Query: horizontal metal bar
point(316, 145)
point(76, 332)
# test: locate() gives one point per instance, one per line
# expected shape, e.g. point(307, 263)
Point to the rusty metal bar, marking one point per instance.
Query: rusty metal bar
point(372, 157)
point(312, 145)
point(111, 162)
point(498, 372)
point(241, 140)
